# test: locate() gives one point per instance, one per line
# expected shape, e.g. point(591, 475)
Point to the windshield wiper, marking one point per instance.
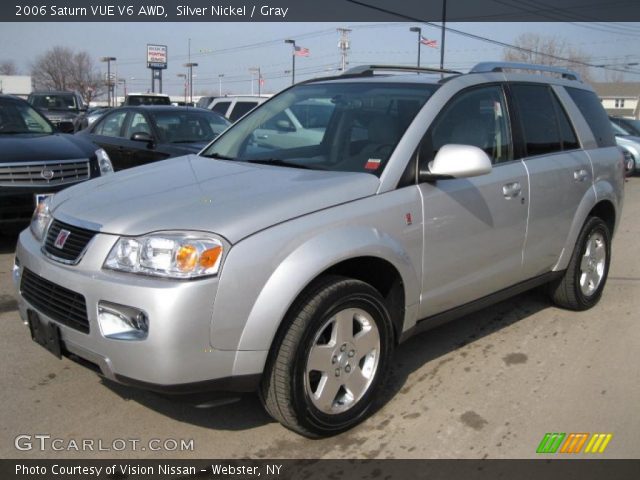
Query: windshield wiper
point(218, 156)
point(278, 162)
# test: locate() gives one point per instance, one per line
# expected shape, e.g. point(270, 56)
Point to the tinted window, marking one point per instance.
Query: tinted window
point(595, 116)
point(19, 117)
point(240, 109)
point(221, 107)
point(538, 118)
point(148, 100)
point(111, 125)
point(475, 117)
point(55, 102)
point(188, 126)
point(138, 124)
point(567, 135)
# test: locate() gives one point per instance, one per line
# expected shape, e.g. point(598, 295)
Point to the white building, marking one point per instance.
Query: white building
point(620, 99)
point(19, 85)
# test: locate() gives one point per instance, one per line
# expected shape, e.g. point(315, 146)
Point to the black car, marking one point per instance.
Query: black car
point(85, 119)
point(61, 108)
point(36, 161)
point(134, 136)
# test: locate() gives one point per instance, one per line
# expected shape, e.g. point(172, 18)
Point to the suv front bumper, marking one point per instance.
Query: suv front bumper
point(175, 357)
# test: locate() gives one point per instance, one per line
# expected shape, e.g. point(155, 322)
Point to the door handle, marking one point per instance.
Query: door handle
point(580, 175)
point(511, 190)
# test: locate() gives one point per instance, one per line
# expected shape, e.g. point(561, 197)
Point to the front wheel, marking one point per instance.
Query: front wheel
point(331, 359)
point(581, 286)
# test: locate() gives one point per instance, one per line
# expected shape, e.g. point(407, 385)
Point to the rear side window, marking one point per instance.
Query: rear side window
point(594, 114)
point(240, 109)
point(538, 118)
point(221, 108)
point(567, 135)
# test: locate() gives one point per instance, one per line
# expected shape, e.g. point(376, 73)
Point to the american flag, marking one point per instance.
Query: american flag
point(301, 51)
point(428, 43)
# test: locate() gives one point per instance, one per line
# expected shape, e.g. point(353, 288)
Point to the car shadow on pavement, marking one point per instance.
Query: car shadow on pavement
point(432, 344)
point(247, 412)
point(8, 242)
point(226, 411)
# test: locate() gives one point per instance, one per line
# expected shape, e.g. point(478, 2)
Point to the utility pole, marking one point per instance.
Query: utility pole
point(444, 27)
point(344, 46)
point(190, 66)
point(184, 75)
point(419, 30)
point(220, 76)
point(108, 60)
point(293, 59)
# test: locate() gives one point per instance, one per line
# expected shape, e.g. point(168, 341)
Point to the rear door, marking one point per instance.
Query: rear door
point(559, 173)
point(474, 228)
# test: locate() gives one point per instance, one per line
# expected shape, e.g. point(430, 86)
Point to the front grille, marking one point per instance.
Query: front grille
point(74, 245)
point(59, 303)
point(44, 173)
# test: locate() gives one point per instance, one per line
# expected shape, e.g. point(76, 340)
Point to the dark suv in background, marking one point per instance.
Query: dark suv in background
point(60, 108)
point(36, 161)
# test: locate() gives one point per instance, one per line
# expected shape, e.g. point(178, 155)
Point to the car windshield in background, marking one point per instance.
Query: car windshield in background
point(632, 127)
point(189, 126)
point(618, 130)
point(349, 127)
point(147, 100)
point(55, 102)
point(19, 118)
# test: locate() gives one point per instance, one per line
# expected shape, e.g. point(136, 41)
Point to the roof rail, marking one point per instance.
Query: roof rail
point(486, 67)
point(368, 70)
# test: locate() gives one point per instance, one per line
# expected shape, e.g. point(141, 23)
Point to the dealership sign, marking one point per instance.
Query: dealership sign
point(156, 56)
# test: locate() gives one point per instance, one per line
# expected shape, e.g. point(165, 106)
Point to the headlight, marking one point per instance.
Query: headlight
point(171, 255)
point(41, 218)
point(104, 162)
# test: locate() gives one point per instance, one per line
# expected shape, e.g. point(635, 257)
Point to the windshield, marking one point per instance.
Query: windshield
point(350, 127)
point(19, 117)
point(618, 130)
point(148, 100)
point(55, 102)
point(189, 126)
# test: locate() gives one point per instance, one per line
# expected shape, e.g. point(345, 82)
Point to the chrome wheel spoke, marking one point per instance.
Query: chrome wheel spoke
point(366, 342)
point(320, 358)
point(593, 264)
point(356, 384)
point(343, 327)
point(584, 263)
point(327, 391)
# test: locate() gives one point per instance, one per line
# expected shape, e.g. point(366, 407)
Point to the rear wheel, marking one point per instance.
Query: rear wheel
point(330, 360)
point(581, 286)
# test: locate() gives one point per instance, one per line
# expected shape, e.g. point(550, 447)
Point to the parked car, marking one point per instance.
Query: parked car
point(36, 161)
point(629, 125)
point(87, 118)
point(136, 99)
point(234, 107)
point(296, 272)
point(134, 136)
point(631, 145)
point(61, 108)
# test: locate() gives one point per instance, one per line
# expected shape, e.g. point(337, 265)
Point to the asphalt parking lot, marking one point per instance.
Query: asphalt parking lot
point(488, 385)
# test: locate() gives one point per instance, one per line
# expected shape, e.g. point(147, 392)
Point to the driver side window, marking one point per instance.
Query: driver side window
point(475, 117)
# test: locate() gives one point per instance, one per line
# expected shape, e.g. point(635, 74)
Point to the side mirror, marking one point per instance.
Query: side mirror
point(457, 161)
point(285, 126)
point(142, 137)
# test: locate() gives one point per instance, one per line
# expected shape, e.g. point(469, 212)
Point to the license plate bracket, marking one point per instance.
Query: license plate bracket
point(45, 333)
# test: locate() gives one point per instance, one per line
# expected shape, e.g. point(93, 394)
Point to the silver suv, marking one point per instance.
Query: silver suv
point(296, 272)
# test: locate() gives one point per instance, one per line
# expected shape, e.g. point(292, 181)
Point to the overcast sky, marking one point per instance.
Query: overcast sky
point(233, 48)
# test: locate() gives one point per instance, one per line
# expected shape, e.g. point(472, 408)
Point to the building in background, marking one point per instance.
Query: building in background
point(619, 99)
point(19, 85)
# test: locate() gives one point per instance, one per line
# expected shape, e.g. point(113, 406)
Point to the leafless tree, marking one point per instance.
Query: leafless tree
point(548, 50)
point(60, 68)
point(8, 67)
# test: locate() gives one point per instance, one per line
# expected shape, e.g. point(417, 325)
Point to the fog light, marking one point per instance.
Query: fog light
point(15, 272)
point(121, 322)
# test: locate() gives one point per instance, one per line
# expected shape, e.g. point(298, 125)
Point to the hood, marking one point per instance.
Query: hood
point(192, 147)
point(37, 147)
point(232, 199)
point(628, 140)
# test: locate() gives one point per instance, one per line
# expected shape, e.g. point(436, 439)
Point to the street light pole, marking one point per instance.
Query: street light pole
point(293, 59)
point(254, 70)
point(190, 66)
point(419, 30)
point(220, 84)
point(184, 75)
point(108, 60)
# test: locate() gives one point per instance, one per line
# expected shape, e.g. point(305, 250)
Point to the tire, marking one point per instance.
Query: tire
point(580, 288)
point(340, 392)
